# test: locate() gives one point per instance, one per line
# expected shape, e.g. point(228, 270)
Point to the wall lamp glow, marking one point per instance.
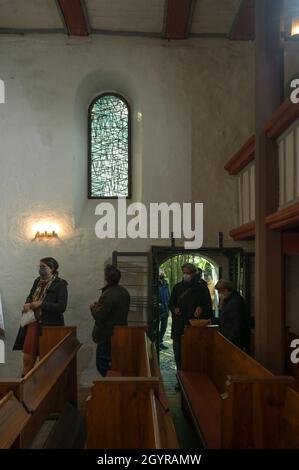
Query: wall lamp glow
point(295, 28)
point(45, 235)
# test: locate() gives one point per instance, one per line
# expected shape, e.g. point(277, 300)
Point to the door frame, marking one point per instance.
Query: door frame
point(159, 254)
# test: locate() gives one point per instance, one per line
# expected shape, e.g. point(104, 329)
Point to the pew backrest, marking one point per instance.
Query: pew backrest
point(121, 414)
point(252, 410)
point(51, 336)
point(13, 419)
point(206, 351)
point(130, 355)
point(48, 386)
point(289, 427)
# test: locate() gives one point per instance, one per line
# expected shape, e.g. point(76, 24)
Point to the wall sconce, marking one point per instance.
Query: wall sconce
point(45, 235)
point(295, 28)
point(291, 19)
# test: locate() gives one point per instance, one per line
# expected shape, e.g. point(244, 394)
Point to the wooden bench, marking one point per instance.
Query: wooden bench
point(49, 385)
point(225, 392)
point(13, 419)
point(129, 408)
point(126, 341)
point(130, 352)
point(121, 414)
point(289, 425)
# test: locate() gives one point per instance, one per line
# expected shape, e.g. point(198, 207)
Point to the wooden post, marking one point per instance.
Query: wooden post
point(269, 309)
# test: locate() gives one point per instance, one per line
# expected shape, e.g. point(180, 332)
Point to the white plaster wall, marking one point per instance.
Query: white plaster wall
point(195, 101)
point(222, 120)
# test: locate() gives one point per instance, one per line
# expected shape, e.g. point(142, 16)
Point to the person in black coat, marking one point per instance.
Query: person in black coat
point(234, 318)
point(110, 310)
point(48, 300)
point(189, 299)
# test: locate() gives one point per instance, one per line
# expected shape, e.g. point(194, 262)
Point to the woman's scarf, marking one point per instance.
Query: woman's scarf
point(40, 292)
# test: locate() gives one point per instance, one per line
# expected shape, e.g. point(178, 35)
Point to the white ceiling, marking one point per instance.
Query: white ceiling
point(144, 16)
point(29, 14)
point(126, 15)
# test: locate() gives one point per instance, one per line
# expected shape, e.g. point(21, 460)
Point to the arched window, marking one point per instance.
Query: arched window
point(109, 147)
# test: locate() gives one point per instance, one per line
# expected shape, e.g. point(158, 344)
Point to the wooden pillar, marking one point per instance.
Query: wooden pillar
point(269, 308)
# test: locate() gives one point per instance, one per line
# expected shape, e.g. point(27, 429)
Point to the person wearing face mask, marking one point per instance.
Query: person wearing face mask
point(48, 300)
point(234, 318)
point(189, 299)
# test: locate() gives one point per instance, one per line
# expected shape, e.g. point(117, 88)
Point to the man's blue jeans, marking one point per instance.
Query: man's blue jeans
point(163, 325)
point(103, 356)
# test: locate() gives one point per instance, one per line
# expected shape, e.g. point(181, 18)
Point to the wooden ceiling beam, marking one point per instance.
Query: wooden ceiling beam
point(243, 27)
point(74, 15)
point(177, 18)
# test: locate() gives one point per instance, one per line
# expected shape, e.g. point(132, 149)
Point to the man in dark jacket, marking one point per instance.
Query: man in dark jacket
point(189, 299)
point(110, 310)
point(234, 319)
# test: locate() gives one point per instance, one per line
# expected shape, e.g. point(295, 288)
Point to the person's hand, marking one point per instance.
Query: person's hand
point(36, 304)
point(177, 311)
point(26, 308)
point(198, 312)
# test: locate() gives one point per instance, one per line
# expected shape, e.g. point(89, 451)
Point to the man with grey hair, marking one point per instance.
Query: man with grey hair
point(234, 320)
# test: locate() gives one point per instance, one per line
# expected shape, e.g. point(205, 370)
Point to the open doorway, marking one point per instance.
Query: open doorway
point(170, 274)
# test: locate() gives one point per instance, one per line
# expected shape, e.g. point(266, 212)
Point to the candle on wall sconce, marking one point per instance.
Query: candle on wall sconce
point(46, 228)
point(45, 235)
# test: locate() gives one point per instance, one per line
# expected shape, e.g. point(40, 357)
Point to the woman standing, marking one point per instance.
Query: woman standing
point(48, 301)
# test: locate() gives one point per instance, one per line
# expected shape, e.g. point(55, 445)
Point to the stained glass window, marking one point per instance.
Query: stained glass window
point(109, 147)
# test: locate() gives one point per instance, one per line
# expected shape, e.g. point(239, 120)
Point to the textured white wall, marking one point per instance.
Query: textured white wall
point(196, 104)
point(222, 120)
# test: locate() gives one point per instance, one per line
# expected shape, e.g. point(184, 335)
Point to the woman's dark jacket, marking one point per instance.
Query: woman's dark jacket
point(53, 307)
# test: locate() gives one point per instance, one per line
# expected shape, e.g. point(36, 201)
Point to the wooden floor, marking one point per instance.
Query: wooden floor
point(186, 435)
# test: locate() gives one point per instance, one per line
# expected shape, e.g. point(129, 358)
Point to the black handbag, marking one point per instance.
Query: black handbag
point(19, 342)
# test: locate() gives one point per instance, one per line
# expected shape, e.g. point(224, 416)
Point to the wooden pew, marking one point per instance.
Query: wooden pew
point(13, 419)
point(48, 386)
point(135, 405)
point(129, 352)
point(225, 392)
point(51, 336)
point(126, 362)
point(121, 414)
point(289, 427)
